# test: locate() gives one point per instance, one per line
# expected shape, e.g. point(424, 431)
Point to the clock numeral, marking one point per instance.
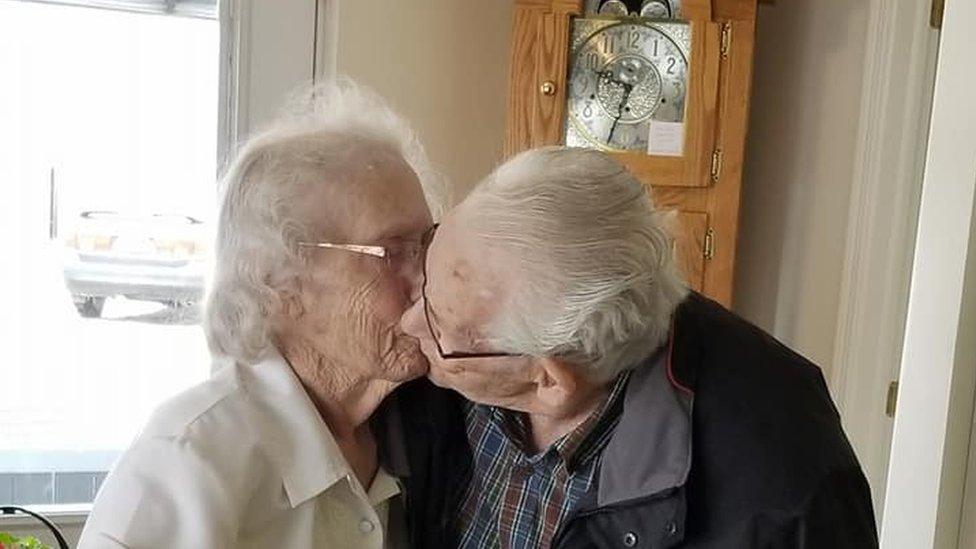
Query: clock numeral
point(588, 110)
point(656, 41)
point(592, 60)
point(609, 43)
point(634, 39)
point(671, 63)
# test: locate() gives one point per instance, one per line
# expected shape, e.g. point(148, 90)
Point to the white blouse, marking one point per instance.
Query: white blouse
point(242, 460)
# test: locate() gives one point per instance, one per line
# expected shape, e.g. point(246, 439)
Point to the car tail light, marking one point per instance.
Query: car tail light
point(177, 248)
point(91, 243)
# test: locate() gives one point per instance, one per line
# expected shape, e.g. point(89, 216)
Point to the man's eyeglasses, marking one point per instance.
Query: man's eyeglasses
point(428, 237)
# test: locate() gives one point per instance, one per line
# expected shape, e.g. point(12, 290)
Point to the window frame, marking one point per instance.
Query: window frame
point(266, 50)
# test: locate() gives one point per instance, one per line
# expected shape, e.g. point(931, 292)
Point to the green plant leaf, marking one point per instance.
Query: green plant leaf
point(30, 542)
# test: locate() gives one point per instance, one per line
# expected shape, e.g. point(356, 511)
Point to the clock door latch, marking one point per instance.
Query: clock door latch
point(716, 169)
point(725, 42)
point(708, 249)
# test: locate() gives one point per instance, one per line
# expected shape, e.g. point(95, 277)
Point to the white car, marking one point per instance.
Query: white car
point(157, 257)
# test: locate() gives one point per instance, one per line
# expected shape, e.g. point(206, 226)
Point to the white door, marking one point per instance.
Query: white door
point(114, 115)
point(930, 440)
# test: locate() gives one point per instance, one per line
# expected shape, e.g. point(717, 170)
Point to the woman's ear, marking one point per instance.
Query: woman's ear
point(292, 307)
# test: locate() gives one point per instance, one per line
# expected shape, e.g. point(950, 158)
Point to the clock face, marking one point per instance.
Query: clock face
point(624, 75)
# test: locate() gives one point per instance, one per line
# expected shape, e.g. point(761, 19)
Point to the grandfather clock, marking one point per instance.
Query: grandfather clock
point(663, 85)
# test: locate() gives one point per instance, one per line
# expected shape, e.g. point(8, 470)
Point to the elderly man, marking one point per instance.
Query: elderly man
point(317, 257)
point(606, 406)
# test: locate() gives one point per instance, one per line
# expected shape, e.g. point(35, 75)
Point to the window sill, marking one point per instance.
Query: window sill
point(61, 514)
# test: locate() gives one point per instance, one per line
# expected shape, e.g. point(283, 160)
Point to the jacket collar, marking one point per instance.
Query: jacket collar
point(293, 433)
point(656, 412)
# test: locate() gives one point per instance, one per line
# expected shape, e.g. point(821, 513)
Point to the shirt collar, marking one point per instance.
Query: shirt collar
point(589, 438)
point(650, 449)
point(575, 447)
point(295, 436)
point(384, 487)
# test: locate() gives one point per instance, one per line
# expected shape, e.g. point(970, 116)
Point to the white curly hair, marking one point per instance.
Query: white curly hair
point(256, 253)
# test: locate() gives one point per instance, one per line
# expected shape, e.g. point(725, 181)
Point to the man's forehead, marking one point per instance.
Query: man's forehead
point(467, 269)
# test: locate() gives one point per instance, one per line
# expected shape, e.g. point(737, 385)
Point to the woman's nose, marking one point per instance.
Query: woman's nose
point(412, 322)
point(414, 278)
point(416, 287)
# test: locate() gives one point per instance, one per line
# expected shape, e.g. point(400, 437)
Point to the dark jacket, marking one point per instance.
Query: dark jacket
point(732, 442)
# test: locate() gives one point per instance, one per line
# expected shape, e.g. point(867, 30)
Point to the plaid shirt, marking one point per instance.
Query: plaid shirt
point(517, 500)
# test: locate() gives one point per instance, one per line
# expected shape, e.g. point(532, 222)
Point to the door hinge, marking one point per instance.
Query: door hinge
point(716, 169)
point(891, 403)
point(726, 40)
point(708, 249)
point(938, 13)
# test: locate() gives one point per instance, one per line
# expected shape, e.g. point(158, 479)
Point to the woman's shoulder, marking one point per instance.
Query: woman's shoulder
point(186, 479)
point(212, 404)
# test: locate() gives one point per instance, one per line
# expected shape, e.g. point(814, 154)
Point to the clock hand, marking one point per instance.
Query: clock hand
point(628, 88)
point(620, 109)
point(608, 76)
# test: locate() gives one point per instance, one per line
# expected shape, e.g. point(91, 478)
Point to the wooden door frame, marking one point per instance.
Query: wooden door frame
point(886, 185)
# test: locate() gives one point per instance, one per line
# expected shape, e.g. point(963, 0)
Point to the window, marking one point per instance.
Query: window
point(108, 156)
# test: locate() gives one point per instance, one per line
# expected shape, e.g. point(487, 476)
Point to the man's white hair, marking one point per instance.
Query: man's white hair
point(256, 259)
point(599, 284)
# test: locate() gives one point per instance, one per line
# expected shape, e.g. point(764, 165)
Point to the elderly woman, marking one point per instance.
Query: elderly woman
point(316, 258)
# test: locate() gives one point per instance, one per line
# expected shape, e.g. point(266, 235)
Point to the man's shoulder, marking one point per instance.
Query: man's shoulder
point(718, 353)
point(762, 413)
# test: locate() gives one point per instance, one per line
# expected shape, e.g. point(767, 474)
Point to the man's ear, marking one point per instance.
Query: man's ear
point(556, 382)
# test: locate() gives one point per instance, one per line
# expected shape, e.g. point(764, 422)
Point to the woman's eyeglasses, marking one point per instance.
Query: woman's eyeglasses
point(395, 255)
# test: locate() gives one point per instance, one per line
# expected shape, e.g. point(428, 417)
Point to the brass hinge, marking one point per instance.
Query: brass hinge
point(938, 13)
point(891, 403)
point(708, 250)
point(716, 169)
point(726, 41)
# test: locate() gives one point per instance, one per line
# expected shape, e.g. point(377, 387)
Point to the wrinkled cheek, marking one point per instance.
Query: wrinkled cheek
point(382, 299)
point(405, 353)
point(391, 297)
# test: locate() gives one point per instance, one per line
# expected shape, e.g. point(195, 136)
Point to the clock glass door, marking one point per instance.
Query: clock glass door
point(627, 85)
point(646, 90)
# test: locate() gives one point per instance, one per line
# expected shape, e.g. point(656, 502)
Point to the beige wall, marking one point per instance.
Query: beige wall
point(800, 159)
point(444, 65)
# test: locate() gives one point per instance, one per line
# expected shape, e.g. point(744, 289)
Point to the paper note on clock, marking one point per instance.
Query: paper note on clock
point(666, 138)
